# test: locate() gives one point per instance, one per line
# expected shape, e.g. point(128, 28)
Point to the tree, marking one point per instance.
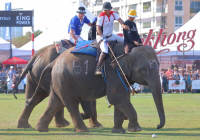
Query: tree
point(20, 41)
point(37, 33)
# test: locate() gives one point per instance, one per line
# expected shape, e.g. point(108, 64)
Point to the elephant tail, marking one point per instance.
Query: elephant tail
point(24, 72)
point(47, 69)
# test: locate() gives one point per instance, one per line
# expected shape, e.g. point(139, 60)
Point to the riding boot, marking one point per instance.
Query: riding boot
point(102, 57)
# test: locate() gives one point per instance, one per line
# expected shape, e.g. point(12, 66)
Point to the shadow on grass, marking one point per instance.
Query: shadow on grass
point(64, 132)
point(101, 132)
point(171, 129)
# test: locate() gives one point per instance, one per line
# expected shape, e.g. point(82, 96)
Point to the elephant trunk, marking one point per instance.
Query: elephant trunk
point(157, 95)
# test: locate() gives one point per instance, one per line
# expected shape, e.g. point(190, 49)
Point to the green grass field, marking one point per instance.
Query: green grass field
point(182, 120)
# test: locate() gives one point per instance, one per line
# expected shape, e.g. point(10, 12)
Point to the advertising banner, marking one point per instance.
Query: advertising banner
point(21, 86)
point(9, 85)
point(15, 18)
point(7, 29)
point(172, 84)
point(6, 33)
point(195, 84)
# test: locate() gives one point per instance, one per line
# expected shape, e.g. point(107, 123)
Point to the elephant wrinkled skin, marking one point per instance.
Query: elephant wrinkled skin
point(34, 69)
point(73, 80)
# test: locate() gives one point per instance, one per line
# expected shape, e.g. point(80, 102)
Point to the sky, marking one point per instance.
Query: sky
point(46, 13)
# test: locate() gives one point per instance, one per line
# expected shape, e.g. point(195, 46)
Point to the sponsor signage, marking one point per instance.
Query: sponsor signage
point(7, 33)
point(15, 18)
point(172, 84)
point(7, 29)
point(170, 39)
point(195, 84)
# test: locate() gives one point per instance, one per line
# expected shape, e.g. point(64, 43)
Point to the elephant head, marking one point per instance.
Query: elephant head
point(142, 66)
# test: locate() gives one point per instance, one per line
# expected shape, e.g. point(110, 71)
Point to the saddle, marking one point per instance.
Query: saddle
point(63, 45)
point(91, 48)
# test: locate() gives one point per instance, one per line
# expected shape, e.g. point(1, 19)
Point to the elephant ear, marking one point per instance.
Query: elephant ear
point(138, 62)
point(124, 63)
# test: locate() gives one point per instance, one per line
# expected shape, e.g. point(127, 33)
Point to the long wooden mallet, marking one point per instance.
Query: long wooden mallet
point(121, 69)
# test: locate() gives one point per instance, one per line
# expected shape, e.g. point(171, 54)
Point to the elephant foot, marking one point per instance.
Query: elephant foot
point(134, 128)
point(41, 128)
point(23, 125)
point(118, 130)
point(61, 123)
point(79, 130)
point(95, 124)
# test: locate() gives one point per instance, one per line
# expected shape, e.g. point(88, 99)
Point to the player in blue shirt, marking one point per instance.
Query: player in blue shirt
point(76, 24)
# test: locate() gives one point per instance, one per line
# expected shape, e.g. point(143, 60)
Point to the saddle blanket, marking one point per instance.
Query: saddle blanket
point(83, 47)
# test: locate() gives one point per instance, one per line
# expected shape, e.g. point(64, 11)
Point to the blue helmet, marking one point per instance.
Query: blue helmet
point(94, 20)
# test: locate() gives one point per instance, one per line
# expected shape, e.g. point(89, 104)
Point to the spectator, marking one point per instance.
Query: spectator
point(11, 72)
point(168, 72)
point(170, 77)
point(14, 82)
point(194, 78)
point(176, 77)
point(4, 87)
point(1, 66)
point(3, 75)
point(164, 83)
point(182, 79)
point(192, 74)
point(92, 31)
point(24, 82)
point(175, 69)
point(197, 74)
point(19, 70)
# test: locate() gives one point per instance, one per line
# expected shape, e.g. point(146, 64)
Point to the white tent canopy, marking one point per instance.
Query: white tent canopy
point(57, 32)
point(4, 45)
point(5, 49)
point(187, 27)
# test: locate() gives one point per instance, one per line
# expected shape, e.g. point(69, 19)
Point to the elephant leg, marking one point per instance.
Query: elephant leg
point(23, 119)
point(72, 107)
point(122, 102)
point(93, 120)
point(89, 108)
point(59, 119)
point(54, 105)
point(118, 121)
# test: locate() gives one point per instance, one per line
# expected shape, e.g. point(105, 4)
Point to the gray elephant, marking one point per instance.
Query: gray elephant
point(34, 69)
point(73, 80)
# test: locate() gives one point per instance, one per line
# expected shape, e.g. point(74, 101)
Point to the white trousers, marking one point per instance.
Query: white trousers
point(77, 36)
point(104, 46)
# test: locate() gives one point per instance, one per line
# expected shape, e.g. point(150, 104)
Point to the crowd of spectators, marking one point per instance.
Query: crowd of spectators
point(7, 75)
point(179, 74)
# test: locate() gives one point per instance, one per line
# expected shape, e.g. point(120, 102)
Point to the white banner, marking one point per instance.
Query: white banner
point(172, 84)
point(195, 84)
point(21, 86)
point(9, 85)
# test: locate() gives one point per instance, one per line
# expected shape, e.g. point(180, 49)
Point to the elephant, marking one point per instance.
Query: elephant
point(34, 69)
point(73, 80)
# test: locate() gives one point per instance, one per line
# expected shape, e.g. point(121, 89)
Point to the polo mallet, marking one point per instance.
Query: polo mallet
point(14, 95)
point(131, 87)
point(13, 92)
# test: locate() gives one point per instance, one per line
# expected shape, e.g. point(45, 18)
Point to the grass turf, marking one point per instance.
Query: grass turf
point(182, 119)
